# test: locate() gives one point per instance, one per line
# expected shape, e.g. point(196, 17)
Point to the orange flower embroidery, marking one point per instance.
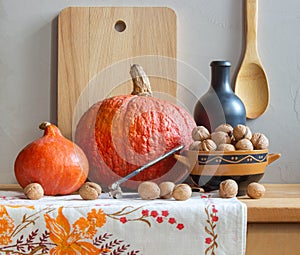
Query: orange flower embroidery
point(21, 206)
point(97, 218)
point(6, 226)
point(71, 242)
point(86, 227)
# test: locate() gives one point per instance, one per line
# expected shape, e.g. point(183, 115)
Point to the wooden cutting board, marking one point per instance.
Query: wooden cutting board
point(97, 45)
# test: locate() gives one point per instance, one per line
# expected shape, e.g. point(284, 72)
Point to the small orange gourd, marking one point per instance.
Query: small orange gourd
point(122, 133)
point(53, 161)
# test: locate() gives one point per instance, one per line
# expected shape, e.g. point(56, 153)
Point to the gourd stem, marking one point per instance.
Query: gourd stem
point(141, 83)
point(50, 129)
point(44, 124)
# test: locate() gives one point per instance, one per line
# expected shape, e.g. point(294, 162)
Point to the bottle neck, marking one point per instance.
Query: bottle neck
point(220, 78)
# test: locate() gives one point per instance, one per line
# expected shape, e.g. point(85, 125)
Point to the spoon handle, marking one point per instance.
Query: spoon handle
point(149, 164)
point(251, 27)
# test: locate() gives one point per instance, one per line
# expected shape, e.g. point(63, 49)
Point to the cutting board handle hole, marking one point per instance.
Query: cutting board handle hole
point(120, 26)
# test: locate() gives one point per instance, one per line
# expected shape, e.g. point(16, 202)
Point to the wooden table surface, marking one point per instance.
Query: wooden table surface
point(281, 203)
point(274, 221)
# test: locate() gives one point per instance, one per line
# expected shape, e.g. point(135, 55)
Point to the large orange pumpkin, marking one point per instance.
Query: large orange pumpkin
point(122, 133)
point(53, 161)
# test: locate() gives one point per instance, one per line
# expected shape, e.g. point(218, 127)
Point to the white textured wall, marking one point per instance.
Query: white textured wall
point(207, 30)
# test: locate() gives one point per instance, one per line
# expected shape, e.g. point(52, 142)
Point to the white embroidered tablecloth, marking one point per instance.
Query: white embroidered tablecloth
point(203, 224)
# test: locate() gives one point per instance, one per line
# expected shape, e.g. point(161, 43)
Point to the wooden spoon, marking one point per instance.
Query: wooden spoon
point(251, 83)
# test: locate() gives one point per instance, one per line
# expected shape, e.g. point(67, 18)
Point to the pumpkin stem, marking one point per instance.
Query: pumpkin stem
point(141, 83)
point(49, 129)
point(44, 124)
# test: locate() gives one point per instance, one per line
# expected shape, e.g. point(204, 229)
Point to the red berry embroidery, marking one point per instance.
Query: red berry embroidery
point(145, 213)
point(159, 219)
point(123, 219)
point(208, 240)
point(165, 213)
point(154, 214)
point(214, 218)
point(180, 226)
point(214, 210)
point(172, 220)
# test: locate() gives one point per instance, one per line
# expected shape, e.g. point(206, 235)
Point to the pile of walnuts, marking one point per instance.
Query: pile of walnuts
point(149, 190)
point(227, 138)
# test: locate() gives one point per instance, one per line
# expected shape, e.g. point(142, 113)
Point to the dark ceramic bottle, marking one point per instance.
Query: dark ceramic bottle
point(219, 104)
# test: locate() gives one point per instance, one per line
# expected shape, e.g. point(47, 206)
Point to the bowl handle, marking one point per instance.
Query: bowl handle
point(272, 157)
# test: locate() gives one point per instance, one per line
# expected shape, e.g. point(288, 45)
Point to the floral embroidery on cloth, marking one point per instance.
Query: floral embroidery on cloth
point(127, 226)
point(70, 241)
point(6, 226)
point(212, 219)
point(60, 237)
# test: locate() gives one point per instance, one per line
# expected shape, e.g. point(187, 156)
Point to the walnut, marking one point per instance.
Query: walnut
point(244, 144)
point(233, 141)
point(227, 128)
point(195, 146)
point(228, 188)
point(259, 141)
point(90, 191)
point(255, 190)
point(182, 192)
point(208, 145)
point(148, 190)
point(226, 147)
point(34, 191)
point(220, 137)
point(200, 133)
point(241, 132)
point(166, 189)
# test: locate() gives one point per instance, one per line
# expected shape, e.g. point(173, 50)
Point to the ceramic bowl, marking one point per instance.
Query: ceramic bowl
point(209, 169)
